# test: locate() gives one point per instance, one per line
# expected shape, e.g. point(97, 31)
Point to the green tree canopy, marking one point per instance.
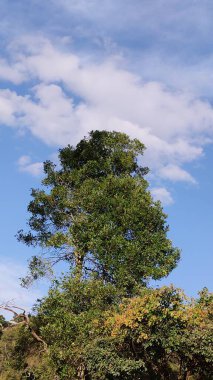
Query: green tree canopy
point(95, 211)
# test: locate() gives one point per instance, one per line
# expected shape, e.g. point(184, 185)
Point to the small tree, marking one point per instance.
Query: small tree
point(96, 213)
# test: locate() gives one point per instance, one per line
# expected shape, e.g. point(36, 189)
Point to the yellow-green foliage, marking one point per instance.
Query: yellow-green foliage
point(168, 330)
point(19, 352)
point(155, 308)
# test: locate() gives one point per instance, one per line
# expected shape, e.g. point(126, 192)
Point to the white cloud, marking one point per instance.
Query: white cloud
point(175, 173)
point(9, 106)
point(163, 195)
point(11, 73)
point(10, 289)
point(25, 165)
point(73, 96)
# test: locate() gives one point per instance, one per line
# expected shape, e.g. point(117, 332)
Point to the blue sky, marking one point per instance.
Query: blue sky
point(143, 67)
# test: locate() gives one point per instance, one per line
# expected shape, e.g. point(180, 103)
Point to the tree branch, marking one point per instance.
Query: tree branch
point(25, 321)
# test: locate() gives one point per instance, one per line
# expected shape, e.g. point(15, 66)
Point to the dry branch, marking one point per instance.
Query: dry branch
point(22, 319)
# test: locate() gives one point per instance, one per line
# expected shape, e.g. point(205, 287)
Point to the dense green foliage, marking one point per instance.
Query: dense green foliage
point(87, 326)
point(94, 334)
point(102, 321)
point(98, 214)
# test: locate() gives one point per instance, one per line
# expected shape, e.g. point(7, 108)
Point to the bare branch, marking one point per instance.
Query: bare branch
point(25, 321)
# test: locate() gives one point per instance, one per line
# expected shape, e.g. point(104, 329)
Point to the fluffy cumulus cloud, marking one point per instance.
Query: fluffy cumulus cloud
point(66, 95)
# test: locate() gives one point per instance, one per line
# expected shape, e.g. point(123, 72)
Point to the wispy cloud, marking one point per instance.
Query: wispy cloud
point(175, 173)
point(172, 27)
point(10, 289)
point(163, 195)
point(25, 164)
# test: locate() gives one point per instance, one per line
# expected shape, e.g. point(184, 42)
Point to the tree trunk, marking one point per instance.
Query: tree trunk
point(81, 372)
point(78, 264)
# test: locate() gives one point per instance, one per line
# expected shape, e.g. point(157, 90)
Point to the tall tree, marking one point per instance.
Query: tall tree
point(96, 213)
